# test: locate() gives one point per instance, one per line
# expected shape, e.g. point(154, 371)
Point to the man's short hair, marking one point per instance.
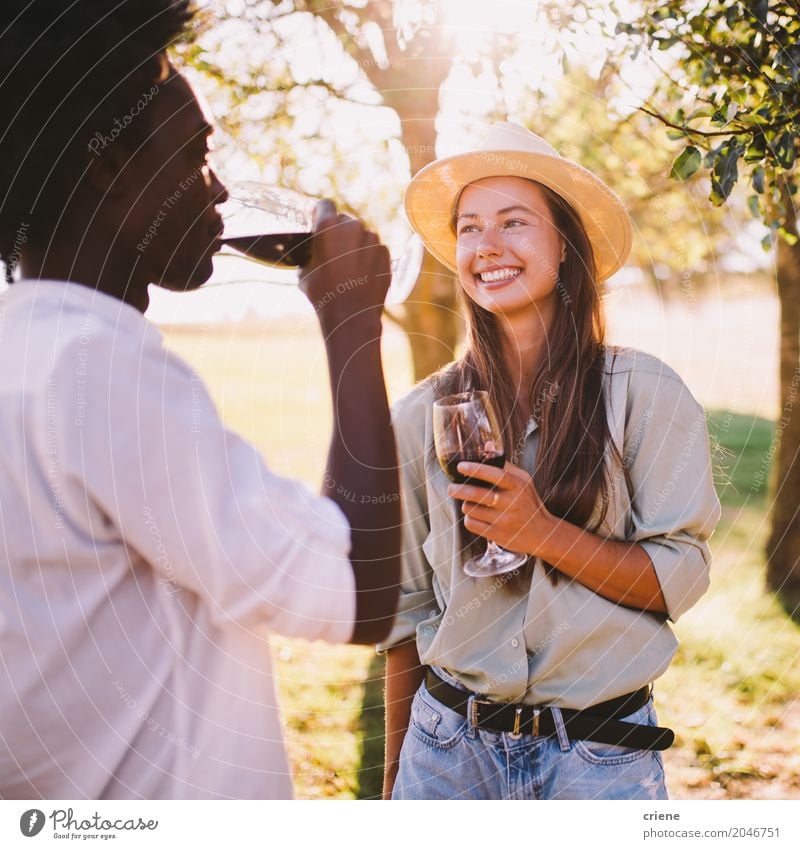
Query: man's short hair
point(74, 78)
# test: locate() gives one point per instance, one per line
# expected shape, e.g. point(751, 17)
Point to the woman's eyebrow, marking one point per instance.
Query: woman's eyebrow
point(503, 211)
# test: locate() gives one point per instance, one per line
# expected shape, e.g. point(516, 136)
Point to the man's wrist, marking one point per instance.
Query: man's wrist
point(365, 324)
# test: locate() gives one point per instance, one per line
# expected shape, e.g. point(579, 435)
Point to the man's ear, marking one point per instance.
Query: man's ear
point(109, 172)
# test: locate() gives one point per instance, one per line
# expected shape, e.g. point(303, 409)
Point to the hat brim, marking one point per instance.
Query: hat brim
point(432, 193)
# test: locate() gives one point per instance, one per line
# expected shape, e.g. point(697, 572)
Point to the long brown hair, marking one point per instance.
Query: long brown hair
point(566, 395)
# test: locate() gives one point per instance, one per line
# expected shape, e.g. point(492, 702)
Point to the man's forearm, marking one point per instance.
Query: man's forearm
point(362, 475)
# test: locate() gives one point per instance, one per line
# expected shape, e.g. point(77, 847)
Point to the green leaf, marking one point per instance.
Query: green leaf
point(754, 206)
point(787, 237)
point(686, 164)
point(711, 156)
point(702, 112)
point(766, 242)
point(725, 173)
point(785, 150)
point(758, 179)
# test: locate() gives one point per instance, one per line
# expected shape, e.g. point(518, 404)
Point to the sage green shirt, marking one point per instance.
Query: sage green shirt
point(563, 645)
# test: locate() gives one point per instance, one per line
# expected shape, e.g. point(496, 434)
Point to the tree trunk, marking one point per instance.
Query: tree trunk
point(783, 546)
point(431, 317)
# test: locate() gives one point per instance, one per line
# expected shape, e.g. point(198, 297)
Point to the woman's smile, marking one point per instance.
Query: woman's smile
point(496, 278)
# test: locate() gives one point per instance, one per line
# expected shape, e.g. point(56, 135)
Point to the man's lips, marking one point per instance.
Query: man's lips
point(216, 230)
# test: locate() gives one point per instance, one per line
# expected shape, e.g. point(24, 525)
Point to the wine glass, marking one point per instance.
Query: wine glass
point(272, 225)
point(465, 429)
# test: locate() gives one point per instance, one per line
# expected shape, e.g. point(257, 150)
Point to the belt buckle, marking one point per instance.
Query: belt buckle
point(474, 718)
point(516, 734)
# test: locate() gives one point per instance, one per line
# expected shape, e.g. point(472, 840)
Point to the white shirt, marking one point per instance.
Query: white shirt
point(147, 553)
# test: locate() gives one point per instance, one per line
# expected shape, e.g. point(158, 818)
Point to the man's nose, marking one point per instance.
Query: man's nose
point(218, 189)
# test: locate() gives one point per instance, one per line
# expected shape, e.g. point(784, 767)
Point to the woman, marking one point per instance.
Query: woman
point(536, 684)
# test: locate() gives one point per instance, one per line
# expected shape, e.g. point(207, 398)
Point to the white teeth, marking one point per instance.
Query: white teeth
point(502, 274)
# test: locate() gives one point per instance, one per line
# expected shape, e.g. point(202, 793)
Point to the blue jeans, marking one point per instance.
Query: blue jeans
point(444, 757)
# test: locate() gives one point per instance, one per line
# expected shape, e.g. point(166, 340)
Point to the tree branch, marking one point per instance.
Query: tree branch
point(690, 131)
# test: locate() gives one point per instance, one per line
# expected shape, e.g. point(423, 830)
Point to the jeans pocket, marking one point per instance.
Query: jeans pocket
point(605, 754)
point(433, 723)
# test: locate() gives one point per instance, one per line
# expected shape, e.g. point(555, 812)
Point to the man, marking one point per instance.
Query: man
point(147, 550)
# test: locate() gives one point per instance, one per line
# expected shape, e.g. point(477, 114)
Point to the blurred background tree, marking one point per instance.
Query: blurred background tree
point(734, 101)
point(350, 99)
point(297, 67)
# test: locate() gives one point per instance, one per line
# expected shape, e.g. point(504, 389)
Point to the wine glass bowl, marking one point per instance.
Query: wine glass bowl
point(268, 224)
point(465, 428)
point(272, 225)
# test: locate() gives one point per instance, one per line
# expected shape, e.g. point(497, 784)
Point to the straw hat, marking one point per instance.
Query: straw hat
point(512, 151)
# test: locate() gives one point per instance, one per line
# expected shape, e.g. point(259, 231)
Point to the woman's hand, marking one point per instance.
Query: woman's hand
point(511, 514)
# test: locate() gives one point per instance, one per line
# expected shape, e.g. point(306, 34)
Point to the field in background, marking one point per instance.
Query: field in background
point(733, 692)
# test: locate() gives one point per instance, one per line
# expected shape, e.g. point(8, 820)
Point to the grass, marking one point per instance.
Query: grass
point(731, 693)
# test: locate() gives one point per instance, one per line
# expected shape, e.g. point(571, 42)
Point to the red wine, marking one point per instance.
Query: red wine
point(286, 250)
point(450, 466)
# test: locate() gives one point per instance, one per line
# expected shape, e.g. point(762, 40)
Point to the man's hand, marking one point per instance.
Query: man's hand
point(349, 273)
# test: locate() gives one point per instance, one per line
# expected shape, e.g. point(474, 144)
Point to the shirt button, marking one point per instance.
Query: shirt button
point(515, 642)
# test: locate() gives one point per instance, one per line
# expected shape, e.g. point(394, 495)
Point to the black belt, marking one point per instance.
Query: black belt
point(599, 723)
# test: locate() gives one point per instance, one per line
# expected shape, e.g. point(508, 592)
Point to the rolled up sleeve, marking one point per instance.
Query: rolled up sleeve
point(674, 505)
point(417, 599)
